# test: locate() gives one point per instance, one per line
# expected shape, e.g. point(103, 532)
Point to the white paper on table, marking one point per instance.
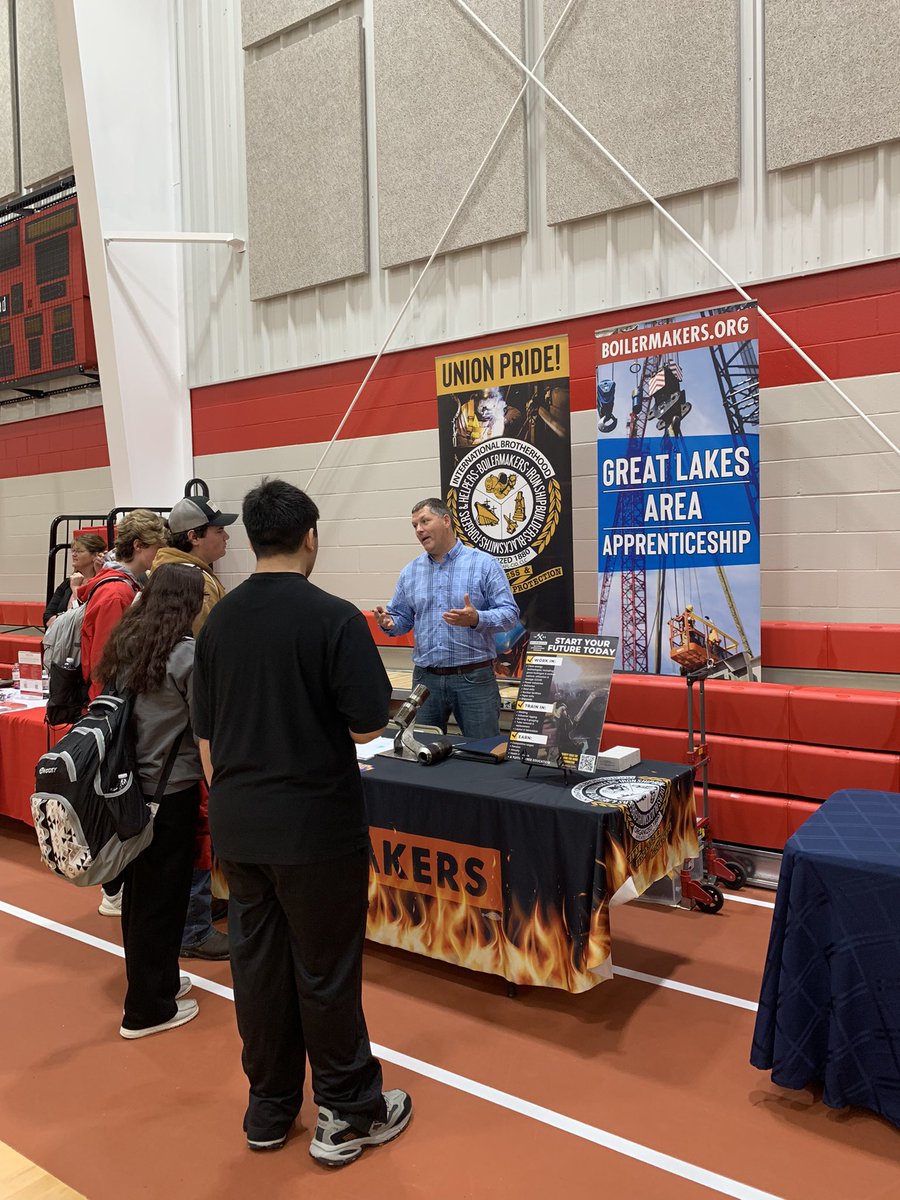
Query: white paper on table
point(12, 700)
point(370, 749)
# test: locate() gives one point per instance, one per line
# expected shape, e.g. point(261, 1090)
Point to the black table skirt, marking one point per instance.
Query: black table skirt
point(477, 864)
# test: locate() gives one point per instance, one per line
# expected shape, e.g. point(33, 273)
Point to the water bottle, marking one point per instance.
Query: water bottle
point(15, 674)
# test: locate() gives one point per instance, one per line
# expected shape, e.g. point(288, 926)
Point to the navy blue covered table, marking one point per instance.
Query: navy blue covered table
point(829, 1009)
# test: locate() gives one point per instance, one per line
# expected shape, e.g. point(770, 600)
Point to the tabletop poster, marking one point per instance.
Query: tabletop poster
point(506, 474)
point(678, 491)
point(558, 717)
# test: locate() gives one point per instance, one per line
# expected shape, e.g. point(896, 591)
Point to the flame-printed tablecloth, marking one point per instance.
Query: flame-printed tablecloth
point(478, 865)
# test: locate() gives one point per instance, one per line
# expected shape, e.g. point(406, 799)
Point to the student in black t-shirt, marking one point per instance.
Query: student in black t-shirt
point(286, 679)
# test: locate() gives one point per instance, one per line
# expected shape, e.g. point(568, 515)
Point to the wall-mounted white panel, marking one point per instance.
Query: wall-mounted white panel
point(832, 78)
point(8, 179)
point(306, 163)
point(821, 215)
point(42, 106)
point(442, 91)
point(264, 19)
point(657, 84)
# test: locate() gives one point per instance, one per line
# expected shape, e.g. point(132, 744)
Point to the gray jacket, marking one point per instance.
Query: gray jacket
point(160, 717)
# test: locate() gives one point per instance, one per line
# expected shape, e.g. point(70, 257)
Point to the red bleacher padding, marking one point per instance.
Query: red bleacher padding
point(818, 645)
point(12, 643)
point(814, 772)
point(382, 639)
point(797, 812)
point(848, 717)
point(863, 648)
point(758, 710)
point(754, 764)
point(656, 700)
point(799, 644)
point(664, 745)
point(21, 612)
point(748, 820)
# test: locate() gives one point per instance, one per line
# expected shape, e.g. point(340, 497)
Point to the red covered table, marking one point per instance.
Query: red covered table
point(23, 739)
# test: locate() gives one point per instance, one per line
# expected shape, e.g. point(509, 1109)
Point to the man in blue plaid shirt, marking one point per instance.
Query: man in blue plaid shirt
point(457, 599)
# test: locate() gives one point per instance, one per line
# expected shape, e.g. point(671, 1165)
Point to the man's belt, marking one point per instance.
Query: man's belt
point(488, 662)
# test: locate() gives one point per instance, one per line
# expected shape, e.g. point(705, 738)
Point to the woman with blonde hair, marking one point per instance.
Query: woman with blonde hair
point(88, 552)
point(151, 651)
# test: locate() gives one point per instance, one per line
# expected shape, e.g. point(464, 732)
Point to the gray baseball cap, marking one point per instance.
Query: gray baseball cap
point(193, 512)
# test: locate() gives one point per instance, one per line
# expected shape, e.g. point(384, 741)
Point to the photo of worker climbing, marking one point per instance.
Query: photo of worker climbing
point(678, 492)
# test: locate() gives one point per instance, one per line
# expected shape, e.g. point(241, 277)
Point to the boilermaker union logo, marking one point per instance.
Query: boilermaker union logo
point(642, 800)
point(506, 500)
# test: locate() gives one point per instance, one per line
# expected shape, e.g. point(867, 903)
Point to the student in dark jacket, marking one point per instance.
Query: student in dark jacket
point(151, 651)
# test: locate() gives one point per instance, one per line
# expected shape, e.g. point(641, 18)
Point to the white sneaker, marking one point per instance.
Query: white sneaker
point(111, 906)
point(185, 983)
point(186, 1011)
point(335, 1142)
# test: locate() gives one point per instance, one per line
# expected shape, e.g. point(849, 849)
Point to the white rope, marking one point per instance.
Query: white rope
point(436, 251)
point(510, 54)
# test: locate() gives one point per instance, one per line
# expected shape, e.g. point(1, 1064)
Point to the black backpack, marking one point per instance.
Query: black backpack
point(90, 815)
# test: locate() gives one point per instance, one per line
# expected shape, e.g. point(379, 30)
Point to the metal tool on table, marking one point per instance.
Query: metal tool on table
point(406, 744)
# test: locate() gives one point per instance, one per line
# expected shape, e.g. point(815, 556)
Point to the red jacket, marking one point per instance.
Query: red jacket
point(101, 616)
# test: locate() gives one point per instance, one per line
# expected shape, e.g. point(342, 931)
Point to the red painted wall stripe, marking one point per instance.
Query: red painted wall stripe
point(70, 441)
point(848, 321)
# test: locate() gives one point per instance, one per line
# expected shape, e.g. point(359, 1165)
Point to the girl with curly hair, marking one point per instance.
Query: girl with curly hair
point(151, 651)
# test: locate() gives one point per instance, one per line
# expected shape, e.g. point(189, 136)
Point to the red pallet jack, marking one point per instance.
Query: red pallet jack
point(700, 876)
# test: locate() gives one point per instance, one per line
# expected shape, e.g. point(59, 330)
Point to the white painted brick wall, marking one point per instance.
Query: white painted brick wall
point(27, 507)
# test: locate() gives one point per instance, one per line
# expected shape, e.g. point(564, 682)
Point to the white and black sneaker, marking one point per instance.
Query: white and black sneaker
point(336, 1143)
point(269, 1144)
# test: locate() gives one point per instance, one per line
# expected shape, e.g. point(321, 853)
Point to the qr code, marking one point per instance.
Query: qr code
point(587, 762)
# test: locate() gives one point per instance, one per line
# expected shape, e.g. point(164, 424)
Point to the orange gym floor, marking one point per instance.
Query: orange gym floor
point(640, 1088)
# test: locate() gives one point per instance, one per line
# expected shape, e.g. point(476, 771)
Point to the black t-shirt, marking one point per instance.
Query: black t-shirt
point(283, 672)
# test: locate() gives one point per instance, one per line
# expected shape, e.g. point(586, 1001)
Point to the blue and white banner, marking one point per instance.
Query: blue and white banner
point(678, 490)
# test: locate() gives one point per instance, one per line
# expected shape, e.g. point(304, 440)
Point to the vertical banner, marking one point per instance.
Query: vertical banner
point(506, 473)
point(678, 491)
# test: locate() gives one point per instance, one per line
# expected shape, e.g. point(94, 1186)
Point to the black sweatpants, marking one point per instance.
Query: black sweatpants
point(296, 937)
point(154, 906)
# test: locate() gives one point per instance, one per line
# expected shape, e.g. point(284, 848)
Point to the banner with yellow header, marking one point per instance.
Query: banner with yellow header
point(506, 472)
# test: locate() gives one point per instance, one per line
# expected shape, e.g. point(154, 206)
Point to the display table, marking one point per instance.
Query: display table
point(829, 1010)
point(476, 864)
point(23, 739)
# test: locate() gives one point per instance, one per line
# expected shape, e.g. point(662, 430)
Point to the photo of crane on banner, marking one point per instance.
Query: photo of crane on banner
point(678, 492)
point(558, 717)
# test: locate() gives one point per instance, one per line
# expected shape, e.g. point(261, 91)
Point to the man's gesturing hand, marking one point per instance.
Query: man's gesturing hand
point(384, 618)
point(467, 615)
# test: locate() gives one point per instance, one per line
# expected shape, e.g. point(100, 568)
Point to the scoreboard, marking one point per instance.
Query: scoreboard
point(45, 312)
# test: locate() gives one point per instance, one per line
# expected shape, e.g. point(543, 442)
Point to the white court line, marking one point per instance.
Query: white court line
point(688, 988)
point(471, 1087)
point(749, 900)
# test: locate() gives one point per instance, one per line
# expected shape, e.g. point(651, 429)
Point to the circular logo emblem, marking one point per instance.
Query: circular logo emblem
point(505, 499)
point(641, 800)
